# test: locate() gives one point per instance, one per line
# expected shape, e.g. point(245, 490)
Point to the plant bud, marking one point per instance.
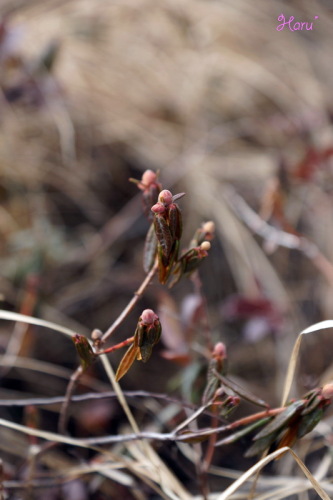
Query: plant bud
point(84, 350)
point(158, 208)
point(96, 334)
point(165, 197)
point(96, 337)
point(148, 316)
point(205, 245)
point(148, 177)
point(219, 351)
point(327, 390)
point(208, 227)
point(150, 188)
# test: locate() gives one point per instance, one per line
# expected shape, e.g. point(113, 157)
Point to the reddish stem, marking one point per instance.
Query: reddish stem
point(131, 304)
point(117, 346)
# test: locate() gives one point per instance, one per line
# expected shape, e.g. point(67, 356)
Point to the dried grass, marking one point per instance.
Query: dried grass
point(209, 93)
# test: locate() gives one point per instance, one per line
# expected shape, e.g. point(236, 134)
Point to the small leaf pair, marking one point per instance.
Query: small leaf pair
point(147, 334)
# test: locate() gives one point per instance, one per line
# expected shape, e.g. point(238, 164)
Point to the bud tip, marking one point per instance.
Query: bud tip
point(165, 197)
point(148, 177)
point(148, 316)
point(219, 351)
point(205, 245)
point(209, 227)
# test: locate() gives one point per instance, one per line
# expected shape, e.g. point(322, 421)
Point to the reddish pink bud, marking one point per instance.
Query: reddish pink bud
point(219, 351)
point(148, 177)
point(327, 391)
point(158, 208)
point(165, 197)
point(148, 316)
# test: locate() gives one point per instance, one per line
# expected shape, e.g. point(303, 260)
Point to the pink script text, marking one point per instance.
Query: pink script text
point(293, 26)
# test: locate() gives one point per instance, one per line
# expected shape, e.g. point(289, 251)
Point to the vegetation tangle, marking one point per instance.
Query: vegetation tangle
point(130, 458)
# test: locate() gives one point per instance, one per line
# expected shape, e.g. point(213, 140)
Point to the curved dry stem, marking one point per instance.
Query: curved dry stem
point(294, 355)
point(11, 316)
point(63, 418)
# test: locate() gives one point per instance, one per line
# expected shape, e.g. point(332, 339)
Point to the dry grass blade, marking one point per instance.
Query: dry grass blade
point(11, 316)
point(156, 467)
point(135, 468)
point(262, 463)
point(294, 355)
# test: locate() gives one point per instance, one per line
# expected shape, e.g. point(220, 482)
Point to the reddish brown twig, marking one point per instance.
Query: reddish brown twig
point(63, 417)
point(131, 304)
point(117, 346)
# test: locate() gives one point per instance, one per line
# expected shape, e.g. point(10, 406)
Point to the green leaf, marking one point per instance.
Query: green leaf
point(232, 438)
point(261, 445)
point(309, 422)
point(281, 420)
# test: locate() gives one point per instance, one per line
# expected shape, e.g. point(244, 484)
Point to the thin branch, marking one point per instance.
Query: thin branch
point(137, 295)
point(68, 396)
point(93, 396)
point(156, 436)
point(117, 346)
point(278, 236)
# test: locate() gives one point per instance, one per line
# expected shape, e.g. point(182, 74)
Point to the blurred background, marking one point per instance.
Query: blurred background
point(229, 110)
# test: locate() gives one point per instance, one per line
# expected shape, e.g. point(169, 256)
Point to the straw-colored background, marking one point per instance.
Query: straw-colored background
point(210, 94)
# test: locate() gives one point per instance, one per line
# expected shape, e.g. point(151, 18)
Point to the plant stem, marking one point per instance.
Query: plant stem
point(131, 304)
point(117, 346)
point(69, 391)
point(211, 445)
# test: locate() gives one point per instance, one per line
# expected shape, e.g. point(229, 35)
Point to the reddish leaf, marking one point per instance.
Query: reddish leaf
point(128, 359)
